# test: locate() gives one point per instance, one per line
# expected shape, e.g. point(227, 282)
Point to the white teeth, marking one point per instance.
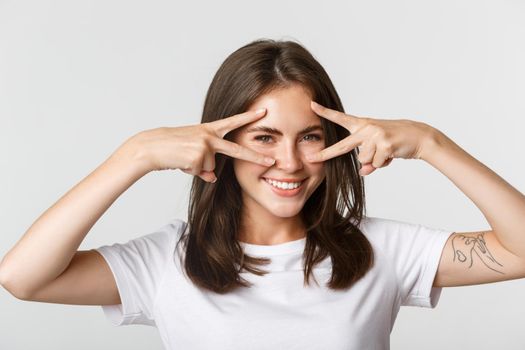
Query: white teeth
point(284, 185)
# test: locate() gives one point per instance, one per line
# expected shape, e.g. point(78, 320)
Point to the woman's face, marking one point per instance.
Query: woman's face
point(288, 114)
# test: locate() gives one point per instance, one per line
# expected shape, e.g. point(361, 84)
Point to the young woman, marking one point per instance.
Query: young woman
point(273, 255)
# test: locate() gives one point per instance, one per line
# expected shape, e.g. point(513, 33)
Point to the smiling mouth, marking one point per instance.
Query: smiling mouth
point(284, 185)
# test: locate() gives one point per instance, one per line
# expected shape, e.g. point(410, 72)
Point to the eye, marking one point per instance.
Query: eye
point(260, 138)
point(263, 139)
point(317, 137)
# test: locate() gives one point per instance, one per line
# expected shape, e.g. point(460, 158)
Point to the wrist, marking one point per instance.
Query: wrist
point(131, 154)
point(432, 143)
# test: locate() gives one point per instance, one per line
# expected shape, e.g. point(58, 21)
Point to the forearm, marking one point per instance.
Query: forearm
point(502, 205)
point(47, 247)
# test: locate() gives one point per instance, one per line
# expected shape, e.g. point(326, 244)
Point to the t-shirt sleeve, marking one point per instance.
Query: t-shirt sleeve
point(138, 268)
point(417, 261)
point(415, 251)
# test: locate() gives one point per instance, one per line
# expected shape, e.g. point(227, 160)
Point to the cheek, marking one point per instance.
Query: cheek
point(240, 165)
point(245, 169)
point(308, 148)
point(318, 169)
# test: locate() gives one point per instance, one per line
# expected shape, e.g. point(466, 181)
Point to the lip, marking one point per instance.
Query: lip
point(285, 193)
point(285, 180)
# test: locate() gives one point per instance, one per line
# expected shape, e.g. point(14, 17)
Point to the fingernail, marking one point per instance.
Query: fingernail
point(260, 111)
point(269, 161)
point(214, 181)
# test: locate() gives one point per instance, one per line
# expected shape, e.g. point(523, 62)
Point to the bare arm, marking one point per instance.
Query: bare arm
point(45, 265)
point(48, 246)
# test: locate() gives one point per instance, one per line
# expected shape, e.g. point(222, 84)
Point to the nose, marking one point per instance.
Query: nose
point(288, 157)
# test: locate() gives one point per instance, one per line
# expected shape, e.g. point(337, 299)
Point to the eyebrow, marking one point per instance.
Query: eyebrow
point(274, 131)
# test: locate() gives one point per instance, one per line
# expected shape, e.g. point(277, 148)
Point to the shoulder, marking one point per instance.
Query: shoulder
point(170, 231)
point(374, 224)
point(381, 229)
point(164, 238)
point(159, 243)
point(166, 233)
point(392, 233)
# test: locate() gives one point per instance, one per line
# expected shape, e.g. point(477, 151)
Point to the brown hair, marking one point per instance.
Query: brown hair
point(213, 256)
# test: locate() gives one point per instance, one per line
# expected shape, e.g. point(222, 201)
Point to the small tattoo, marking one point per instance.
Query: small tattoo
point(465, 247)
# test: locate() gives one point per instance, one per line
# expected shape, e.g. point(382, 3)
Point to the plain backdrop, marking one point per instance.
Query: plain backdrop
point(79, 77)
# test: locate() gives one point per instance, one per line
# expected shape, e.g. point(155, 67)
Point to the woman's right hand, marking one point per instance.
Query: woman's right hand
point(67, 222)
point(192, 148)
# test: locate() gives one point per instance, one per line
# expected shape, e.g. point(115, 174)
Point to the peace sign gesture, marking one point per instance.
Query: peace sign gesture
point(192, 148)
point(379, 140)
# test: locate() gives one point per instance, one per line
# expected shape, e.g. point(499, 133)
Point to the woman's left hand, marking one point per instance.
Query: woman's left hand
point(379, 140)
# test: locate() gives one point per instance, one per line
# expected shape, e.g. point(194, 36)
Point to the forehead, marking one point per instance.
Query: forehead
point(287, 109)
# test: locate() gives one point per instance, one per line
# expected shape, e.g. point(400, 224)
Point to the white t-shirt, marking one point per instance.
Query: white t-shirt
point(277, 312)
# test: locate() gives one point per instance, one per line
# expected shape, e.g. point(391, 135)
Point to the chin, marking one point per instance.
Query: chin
point(285, 211)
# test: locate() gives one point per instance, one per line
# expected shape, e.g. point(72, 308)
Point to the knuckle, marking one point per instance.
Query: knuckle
point(204, 135)
point(208, 131)
point(379, 131)
point(365, 127)
point(206, 126)
point(195, 165)
point(203, 145)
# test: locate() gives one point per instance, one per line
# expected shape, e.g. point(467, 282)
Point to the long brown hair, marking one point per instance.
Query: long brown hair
point(213, 256)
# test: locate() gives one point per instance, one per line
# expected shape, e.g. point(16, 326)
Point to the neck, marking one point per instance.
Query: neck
point(271, 230)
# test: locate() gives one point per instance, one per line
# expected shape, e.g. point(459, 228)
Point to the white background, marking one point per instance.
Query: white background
point(79, 77)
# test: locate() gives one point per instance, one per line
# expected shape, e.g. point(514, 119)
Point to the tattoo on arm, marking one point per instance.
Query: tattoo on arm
point(466, 247)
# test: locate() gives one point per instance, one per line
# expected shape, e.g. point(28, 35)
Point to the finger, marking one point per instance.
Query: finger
point(208, 176)
point(224, 126)
point(345, 120)
point(344, 146)
point(204, 169)
point(195, 171)
point(366, 155)
point(235, 150)
point(387, 162)
point(208, 163)
point(380, 158)
point(367, 169)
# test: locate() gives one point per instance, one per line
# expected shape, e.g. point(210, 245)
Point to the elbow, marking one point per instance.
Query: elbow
point(6, 283)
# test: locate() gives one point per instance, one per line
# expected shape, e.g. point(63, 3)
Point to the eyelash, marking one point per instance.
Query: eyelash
point(259, 138)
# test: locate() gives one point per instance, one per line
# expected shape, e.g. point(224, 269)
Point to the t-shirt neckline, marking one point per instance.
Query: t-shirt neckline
point(274, 249)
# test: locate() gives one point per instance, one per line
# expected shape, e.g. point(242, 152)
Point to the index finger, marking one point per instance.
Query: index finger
point(347, 121)
point(225, 125)
point(235, 150)
point(344, 146)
